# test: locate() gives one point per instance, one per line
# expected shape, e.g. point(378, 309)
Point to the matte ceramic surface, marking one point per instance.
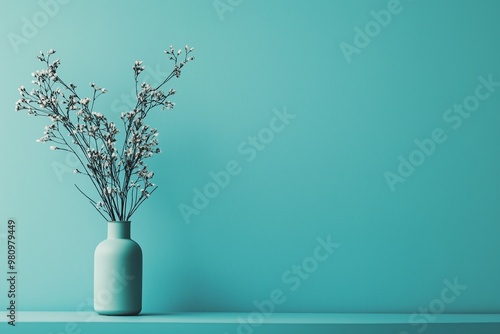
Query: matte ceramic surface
point(118, 273)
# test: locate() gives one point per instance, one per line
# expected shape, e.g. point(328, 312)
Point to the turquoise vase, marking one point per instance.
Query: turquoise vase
point(118, 272)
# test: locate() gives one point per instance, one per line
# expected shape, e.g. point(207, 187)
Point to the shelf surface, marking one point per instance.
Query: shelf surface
point(249, 323)
point(275, 318)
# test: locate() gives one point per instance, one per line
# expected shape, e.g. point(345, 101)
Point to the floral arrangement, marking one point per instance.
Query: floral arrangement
point(117, 171)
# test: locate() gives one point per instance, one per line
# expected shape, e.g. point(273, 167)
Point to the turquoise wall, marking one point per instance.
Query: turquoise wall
point(361, 137)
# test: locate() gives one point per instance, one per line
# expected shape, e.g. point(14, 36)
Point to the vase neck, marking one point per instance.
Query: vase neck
point(119, 230)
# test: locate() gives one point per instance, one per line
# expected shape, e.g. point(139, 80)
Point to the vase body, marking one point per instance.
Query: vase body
point(118, 273)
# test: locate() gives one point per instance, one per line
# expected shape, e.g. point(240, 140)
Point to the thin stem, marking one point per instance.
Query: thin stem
point(91, 201)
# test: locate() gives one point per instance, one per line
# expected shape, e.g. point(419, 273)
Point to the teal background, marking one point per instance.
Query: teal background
point(322, 175)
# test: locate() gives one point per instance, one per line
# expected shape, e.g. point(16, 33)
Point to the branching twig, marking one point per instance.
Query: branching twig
point(93, 137)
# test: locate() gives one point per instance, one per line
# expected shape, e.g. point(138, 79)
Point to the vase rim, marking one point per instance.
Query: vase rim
point(118, 221)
